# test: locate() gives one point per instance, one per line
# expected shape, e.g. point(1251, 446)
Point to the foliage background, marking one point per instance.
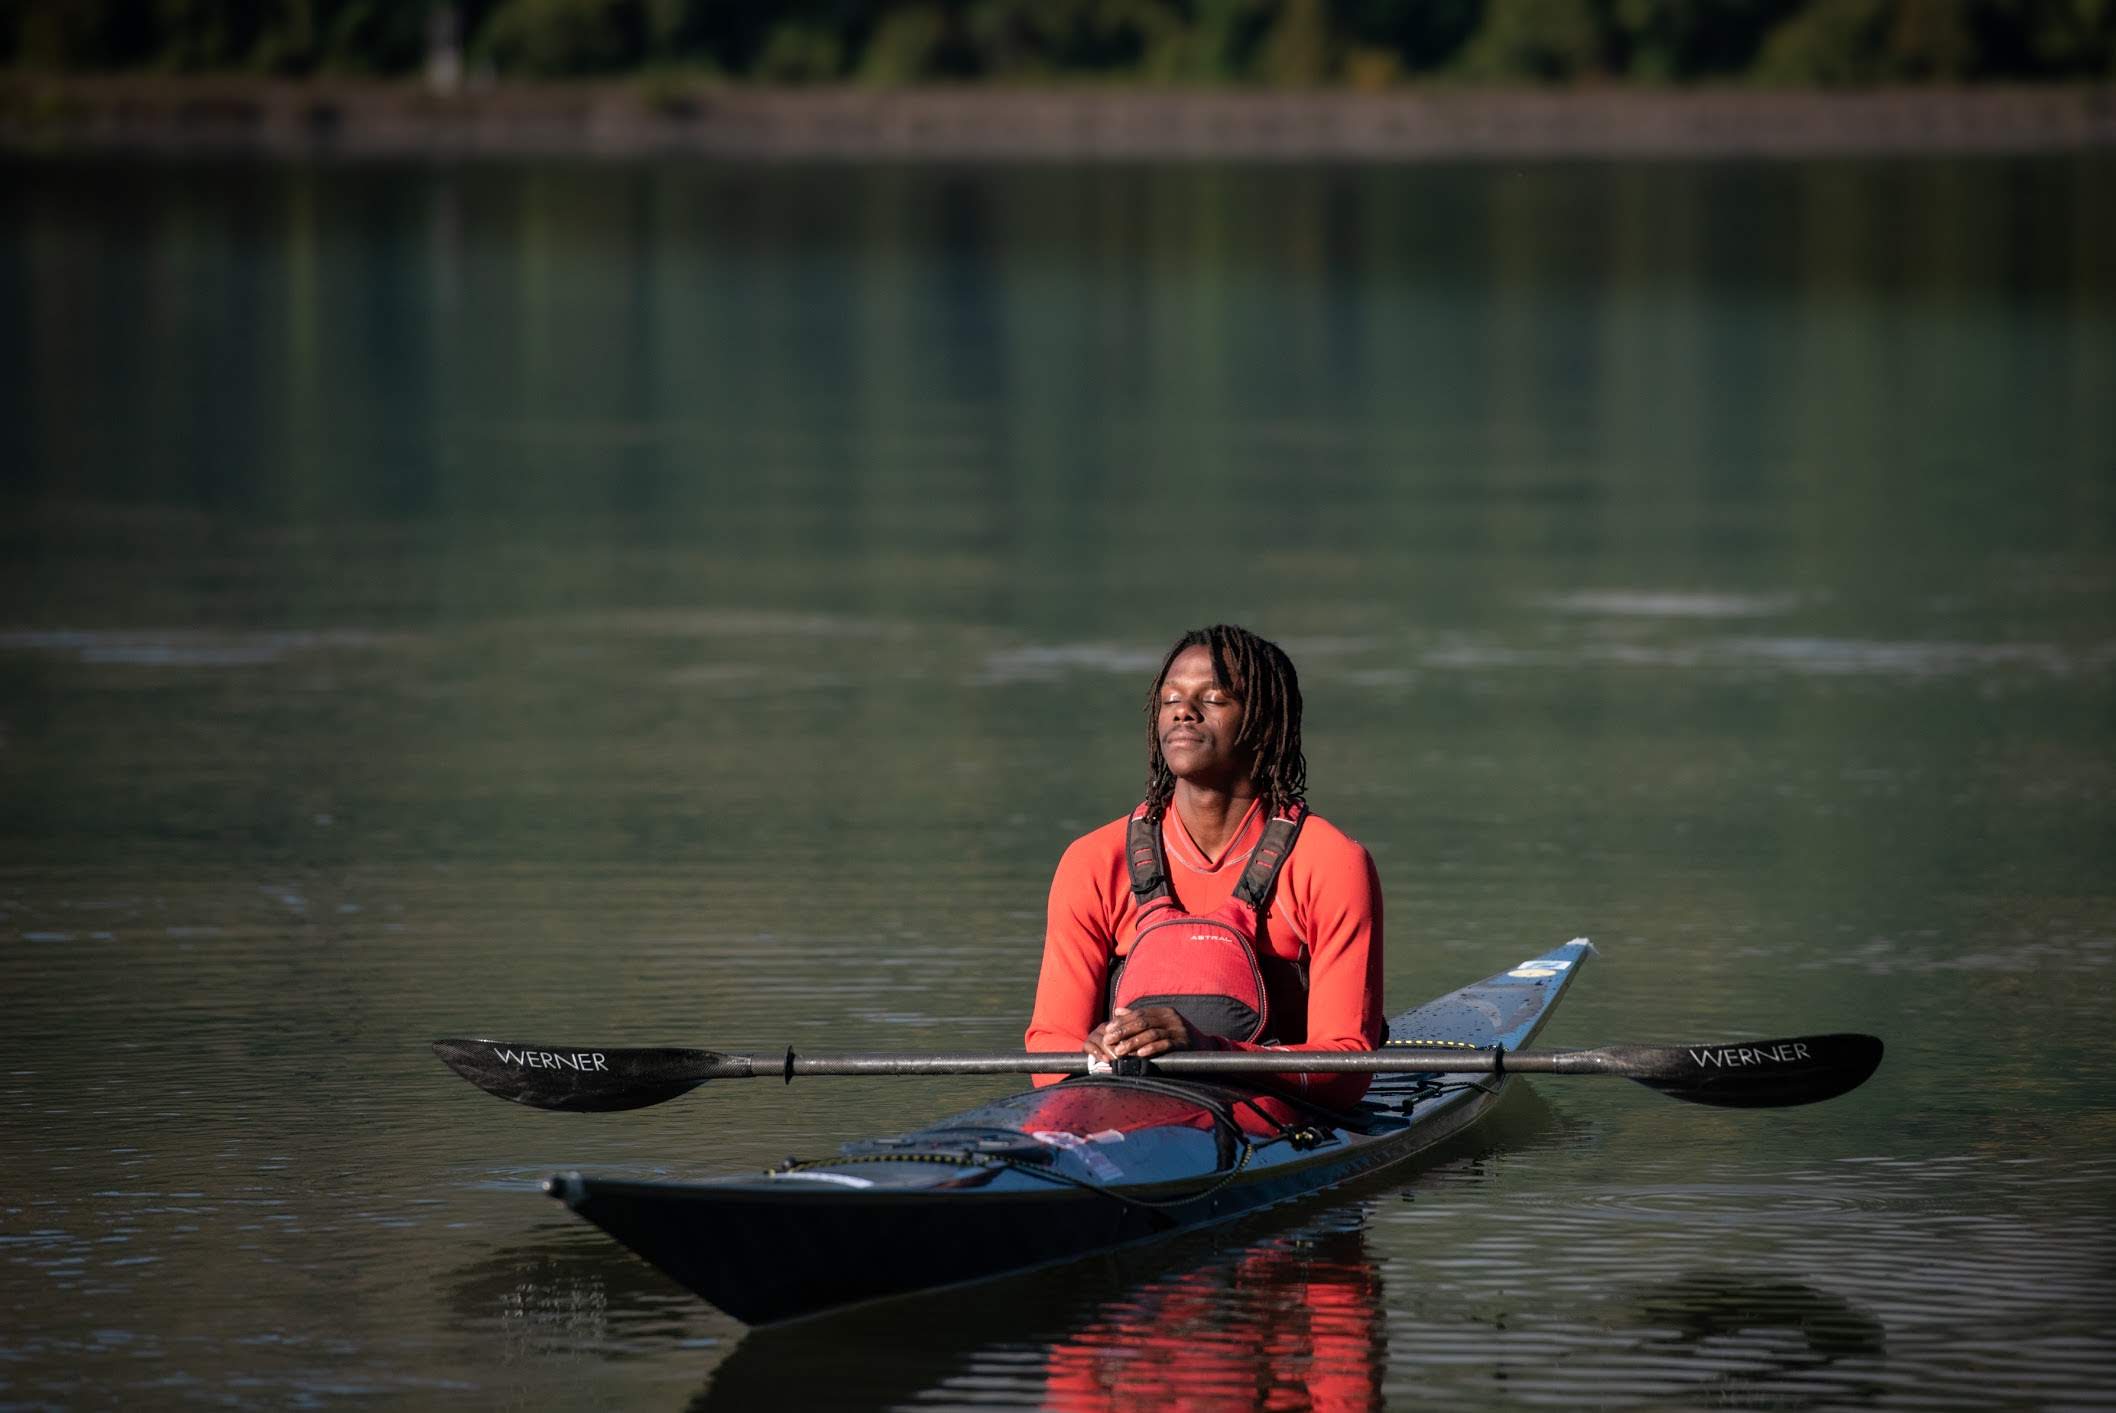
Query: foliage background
point(1360, 43)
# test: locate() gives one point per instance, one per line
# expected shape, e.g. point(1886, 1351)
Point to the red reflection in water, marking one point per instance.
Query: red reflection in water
point(1293, 1324)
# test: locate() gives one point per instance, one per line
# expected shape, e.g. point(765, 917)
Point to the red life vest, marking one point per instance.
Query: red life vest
point(1204, 966)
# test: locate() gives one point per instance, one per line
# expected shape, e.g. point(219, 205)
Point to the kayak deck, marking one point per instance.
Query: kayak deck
point(1054, 1174)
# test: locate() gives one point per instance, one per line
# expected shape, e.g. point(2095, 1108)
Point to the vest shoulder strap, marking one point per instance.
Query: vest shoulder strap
point(1269, 857)
point(1142, 855)
point(1149, 869)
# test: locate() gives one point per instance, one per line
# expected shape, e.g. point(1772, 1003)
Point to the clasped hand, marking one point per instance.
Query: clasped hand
point(1140, 1034)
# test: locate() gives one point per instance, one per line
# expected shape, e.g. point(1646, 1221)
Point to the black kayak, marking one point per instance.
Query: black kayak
point(1059, 1173)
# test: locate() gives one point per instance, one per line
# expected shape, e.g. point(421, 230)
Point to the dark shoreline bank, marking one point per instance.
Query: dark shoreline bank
point(204, 116)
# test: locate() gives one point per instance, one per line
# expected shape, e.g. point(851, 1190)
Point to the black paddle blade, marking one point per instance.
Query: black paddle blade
point(1760, 1074)
point(582, 1080)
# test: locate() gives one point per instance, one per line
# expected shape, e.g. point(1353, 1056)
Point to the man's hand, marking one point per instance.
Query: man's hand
point(1141, 1034)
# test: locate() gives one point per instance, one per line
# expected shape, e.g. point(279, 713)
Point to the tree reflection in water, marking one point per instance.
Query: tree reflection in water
point(1759, 1341)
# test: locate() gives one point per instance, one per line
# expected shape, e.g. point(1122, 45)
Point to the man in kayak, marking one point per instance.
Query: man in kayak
point(1220, 914)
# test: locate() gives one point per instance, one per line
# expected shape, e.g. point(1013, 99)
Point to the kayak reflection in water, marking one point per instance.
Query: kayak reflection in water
point(1219, 914)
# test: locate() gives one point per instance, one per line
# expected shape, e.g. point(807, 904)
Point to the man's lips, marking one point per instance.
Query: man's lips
point(1182, 738)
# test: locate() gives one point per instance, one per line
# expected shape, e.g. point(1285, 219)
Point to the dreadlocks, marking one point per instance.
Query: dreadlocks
point(1261, 675)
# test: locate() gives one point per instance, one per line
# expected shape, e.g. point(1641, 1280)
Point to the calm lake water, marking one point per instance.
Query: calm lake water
point(659, 602)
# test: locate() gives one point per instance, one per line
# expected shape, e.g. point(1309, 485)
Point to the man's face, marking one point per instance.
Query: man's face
point(1198, 719)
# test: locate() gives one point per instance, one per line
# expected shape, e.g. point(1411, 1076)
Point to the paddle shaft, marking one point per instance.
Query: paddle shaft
point(1756, 1074)
point(1072, 1062)
point(1405, 1060)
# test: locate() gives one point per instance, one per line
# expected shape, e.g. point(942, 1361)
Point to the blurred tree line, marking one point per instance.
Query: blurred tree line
point(1363, 43)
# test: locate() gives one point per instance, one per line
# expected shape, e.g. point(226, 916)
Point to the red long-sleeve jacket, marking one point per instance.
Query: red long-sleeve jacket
point(1325, 915)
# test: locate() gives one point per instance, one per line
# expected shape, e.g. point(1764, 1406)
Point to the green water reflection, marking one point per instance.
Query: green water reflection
point(667, 601)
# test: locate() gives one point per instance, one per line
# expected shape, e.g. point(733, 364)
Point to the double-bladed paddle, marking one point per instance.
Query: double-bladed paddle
point(1749, 1074)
